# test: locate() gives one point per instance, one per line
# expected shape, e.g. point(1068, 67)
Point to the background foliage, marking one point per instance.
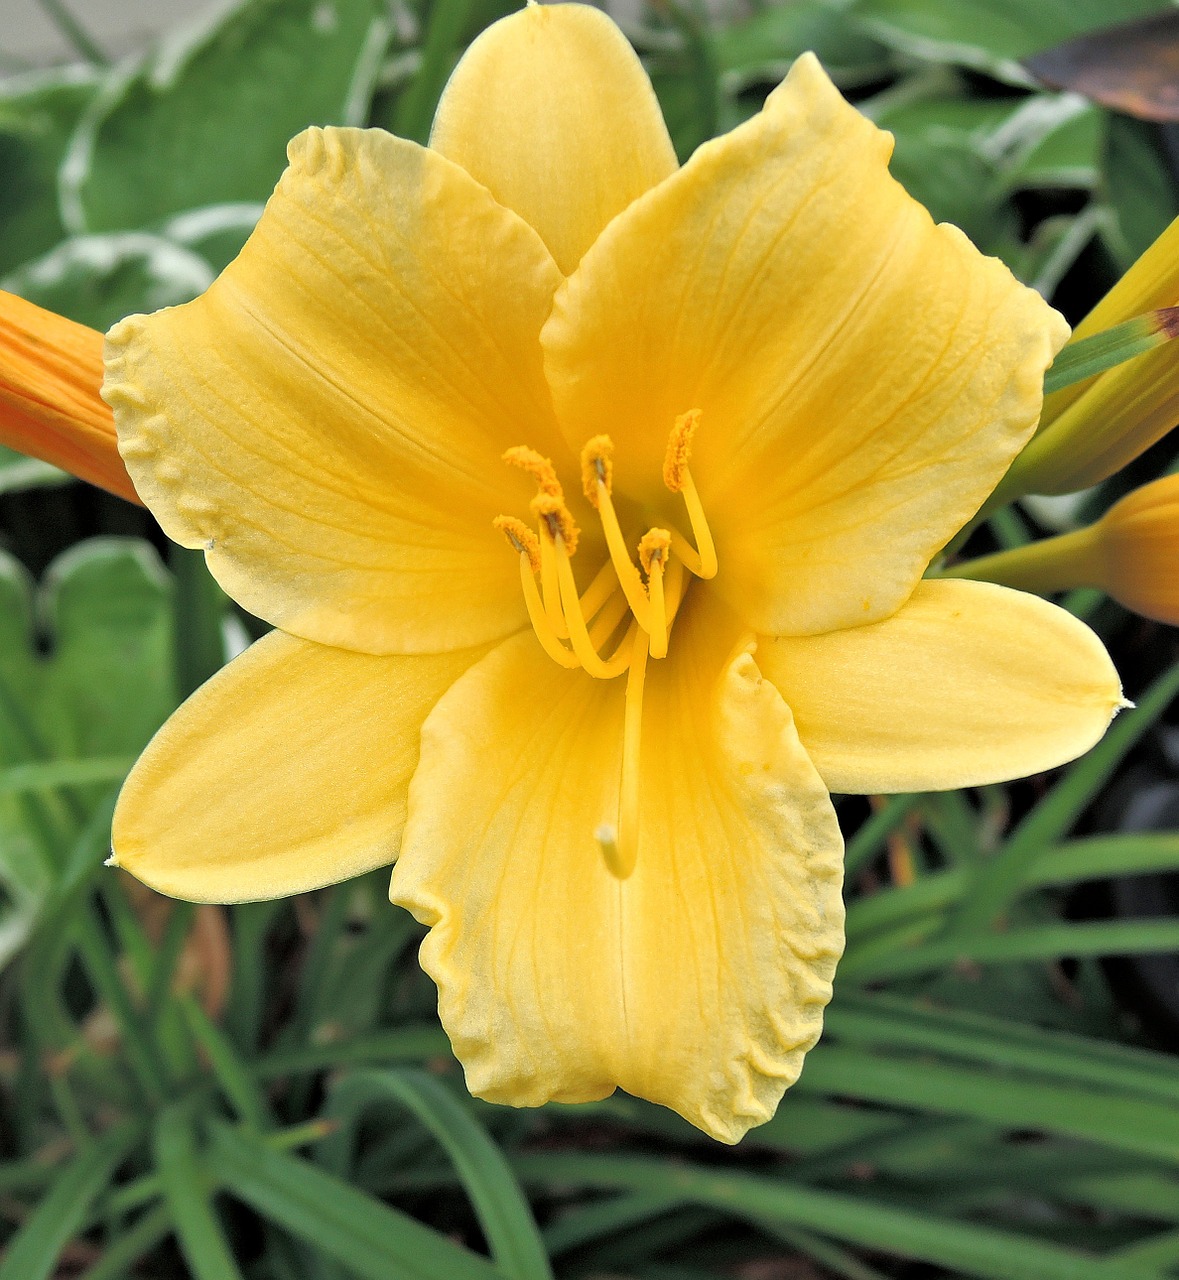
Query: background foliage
point(264, 1091)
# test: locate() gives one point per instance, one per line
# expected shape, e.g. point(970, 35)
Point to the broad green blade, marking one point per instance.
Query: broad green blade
point(32, 1253)
point(501, 1207)
point(371, 1238)
point(188, 1192)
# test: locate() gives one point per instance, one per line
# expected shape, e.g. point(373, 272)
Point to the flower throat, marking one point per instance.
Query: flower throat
point(575, 628)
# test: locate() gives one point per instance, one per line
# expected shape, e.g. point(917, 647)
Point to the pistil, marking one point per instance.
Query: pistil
point(620, 844)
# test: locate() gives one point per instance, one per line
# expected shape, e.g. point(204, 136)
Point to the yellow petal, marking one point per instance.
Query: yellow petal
point(553, 113)
point(697, 982)
point(327, 420)
point(968, 684)
point(286, 771)
point(864, 377)
point(50, 373)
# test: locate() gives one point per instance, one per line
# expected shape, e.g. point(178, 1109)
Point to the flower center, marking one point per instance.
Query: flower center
point(582, 630)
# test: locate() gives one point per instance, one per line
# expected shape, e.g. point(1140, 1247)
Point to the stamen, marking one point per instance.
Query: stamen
point(539, 619)
point(554, 514)
point(620, 844)
point(679, 449)
point(597, 466)
point(701, 559)
point(653, 551)
point(606, 623)
point(550, 585)
point(675, 588)
point(521, 537)
point(579, 636)
point(538, 467)
point(604, 585)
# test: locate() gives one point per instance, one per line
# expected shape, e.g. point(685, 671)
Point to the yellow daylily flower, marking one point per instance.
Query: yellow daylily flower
point(603, 773)
point(1131, 553)
point(50, 407)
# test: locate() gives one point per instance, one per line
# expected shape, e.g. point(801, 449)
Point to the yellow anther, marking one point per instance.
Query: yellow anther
point(597, 466)
point(700, 559)
point(521, 537)
point(654, 545)
point(538, 467)
point(552, 512)
point(679, 449)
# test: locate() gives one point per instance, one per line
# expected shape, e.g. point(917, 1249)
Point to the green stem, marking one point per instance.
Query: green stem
point(1054, 564)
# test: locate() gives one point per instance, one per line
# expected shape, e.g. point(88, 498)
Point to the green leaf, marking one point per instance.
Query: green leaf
point(108, 683)
point(1001, 1044)
point(49, 775)
point(19, 473)
point(1036, 942)
point(984, 1252)
point(762, 47)
point(1091, 356)
point(97, 280)
point(206, 120)
point(38, 113)
point(1004, 1098)
point(215, 233)
point(446, 26)
point(989, 35)
point(33, 1252)
point(187, 1188)
point(1138, 190)
point(372, 1239)
point(998, 881)
point(502, 1210)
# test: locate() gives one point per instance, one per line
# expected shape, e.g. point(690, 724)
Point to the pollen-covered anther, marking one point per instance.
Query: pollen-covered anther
point(679, 450)
point(700, 559)
point(521, 537)
point(597, 467)
point(654, 547)
point(555, 516)
point(537, 466)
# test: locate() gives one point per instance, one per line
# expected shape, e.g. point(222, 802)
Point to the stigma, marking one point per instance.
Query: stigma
point(626, 613)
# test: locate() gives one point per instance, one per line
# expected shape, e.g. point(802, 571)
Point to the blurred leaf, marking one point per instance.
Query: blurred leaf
point(1131, 67)
point(687, 82)
point(38, 113)
point(372, 1239)
point(33, 1252)
point(19, 473)
point(108, 681)
point(215, 233)
point(1138, 188)
point(187, 1192)
point(1005, 1098)
point(963, 157)
point(762, 47)
point(502, 1210)
point(206, 120)
point(989, 35)
point(97, 280)
point(447, 23)
point(983, 1252)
